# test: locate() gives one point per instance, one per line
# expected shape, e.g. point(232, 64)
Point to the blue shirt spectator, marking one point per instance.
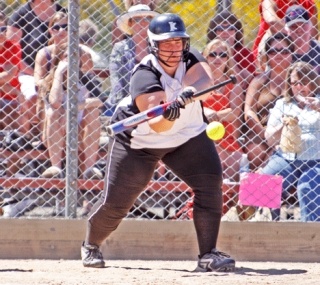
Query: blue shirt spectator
point(128, 52)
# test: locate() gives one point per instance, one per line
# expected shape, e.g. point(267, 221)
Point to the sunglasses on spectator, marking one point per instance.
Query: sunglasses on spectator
point(58, 27)
point(274, 51)
point(302, 83)
point(220, 54)
point(141, 19)
point(221, 28)
point(3, 29)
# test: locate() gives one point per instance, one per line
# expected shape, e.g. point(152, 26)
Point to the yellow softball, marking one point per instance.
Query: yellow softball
point(215, 131)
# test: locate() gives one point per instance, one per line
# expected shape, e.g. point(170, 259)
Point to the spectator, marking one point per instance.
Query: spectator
point(299, 27)
point(10, 58)
point(177, 137)
point(262, 94)
point(151, 3)
point(127, 53)
point(301, 169)
point(225, 105)
point(118, 34)
point(227, 27)
point(29, 27)
point(88, 32)
point(272, 13)
point(51, 67)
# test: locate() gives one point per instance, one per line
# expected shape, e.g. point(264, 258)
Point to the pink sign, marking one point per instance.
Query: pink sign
point(261, 190)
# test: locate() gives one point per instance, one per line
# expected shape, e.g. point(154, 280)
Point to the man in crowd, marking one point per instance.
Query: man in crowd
point(298, 27)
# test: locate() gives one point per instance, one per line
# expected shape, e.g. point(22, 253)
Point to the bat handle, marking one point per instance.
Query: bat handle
point(110, 131)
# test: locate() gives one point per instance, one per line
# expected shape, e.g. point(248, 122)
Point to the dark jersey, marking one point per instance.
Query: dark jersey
point(149, 77)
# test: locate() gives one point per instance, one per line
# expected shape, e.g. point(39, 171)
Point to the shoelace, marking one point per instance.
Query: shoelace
point(95, 253)
point(220, 253)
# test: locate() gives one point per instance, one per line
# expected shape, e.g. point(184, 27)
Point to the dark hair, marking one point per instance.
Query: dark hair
point(225, 17)
point(279, 37)
point(305, 72)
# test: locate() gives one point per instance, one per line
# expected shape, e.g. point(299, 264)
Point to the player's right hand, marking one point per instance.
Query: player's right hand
point(173, 111)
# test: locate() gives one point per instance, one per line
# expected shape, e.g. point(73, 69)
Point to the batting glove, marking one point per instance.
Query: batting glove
point(186, 96)
point(173, 111)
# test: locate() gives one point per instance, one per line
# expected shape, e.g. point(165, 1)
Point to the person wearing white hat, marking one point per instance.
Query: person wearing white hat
point(117, 34)
point(128, 52)
point(151, 3)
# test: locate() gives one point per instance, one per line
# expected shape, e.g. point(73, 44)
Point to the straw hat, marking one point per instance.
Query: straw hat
point(139, 10)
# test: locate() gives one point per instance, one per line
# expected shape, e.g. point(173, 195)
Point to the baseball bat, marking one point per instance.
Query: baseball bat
point(156, 111)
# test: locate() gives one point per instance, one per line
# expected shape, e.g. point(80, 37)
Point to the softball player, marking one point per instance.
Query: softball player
point(171, 72)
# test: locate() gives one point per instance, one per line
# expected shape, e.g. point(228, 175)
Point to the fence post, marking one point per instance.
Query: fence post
point(72, 109)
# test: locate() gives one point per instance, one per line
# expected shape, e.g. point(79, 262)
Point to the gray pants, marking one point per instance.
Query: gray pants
point(128, 172)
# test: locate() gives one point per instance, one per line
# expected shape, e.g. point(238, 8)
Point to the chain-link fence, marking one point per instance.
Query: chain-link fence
point(59, 91)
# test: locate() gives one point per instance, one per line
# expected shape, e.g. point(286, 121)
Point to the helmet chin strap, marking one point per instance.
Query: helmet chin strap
point(166, 62)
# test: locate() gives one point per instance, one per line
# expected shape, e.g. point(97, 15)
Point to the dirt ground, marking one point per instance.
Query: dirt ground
point(125, 272)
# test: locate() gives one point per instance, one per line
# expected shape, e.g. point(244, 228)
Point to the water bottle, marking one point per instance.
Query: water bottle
point(244, 165)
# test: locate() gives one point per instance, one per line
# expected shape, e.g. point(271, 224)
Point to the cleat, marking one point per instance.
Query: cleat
point(215, 261)
point(91, 256)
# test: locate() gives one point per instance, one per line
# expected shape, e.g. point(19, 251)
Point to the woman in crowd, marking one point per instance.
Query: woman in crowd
point(51, 73)
point(262, 94)
point(28, 25)
point(225, 105)
point(299, 169)
point(227, 27)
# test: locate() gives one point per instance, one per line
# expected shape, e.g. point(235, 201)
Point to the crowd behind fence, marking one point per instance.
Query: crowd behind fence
point(74, 62)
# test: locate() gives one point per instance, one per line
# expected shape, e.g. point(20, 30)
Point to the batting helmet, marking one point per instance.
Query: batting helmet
point(167, 26)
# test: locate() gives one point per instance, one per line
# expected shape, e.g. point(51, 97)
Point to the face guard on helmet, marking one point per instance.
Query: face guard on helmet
point(165, 27)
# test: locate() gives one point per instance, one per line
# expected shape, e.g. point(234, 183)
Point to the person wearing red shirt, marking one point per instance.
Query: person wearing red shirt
point(225, 105)
point(10, 58)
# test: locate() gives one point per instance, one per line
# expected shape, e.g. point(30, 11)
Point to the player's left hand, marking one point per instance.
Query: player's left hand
point(186, 97)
